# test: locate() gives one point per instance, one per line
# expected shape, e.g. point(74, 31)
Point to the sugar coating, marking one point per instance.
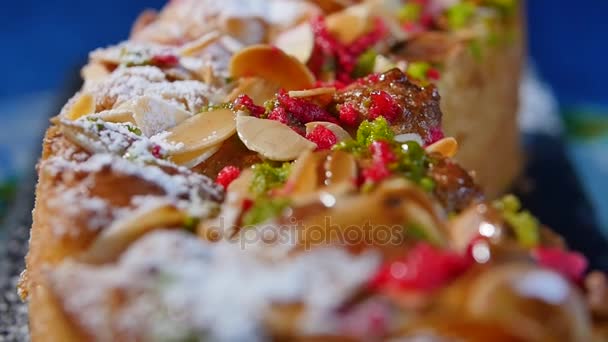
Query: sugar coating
point(186, 287)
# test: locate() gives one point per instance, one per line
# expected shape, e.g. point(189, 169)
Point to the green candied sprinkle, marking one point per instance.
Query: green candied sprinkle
point(379, 129)
point(414, 163)
point(212, 107)
point(418, 70)
point(266, 177)
point(475, 48)
point(190, 223)
point(460, 14)
point(509, 203)
point(419, 232)
point(523, 223)
point(133, 58)
point(414, 151)
point(349, 145)
point(264, 209)
point(134, 129)
point(365, 63)
point(427, 184)
point(410, 12)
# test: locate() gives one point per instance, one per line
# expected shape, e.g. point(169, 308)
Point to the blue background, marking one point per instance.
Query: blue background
point(43, 40)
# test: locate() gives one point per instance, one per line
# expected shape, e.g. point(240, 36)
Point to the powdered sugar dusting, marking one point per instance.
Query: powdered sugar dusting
point(190, 95)
point(125, 83)
point(191, 288)
point(76, 202)
point(175, 185)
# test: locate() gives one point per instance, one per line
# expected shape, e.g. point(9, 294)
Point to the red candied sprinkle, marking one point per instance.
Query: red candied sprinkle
point(157, 151)
point(382, 155)
point(281, 115)
point(409, 26)
point(303, 110)
point(426, 20)
point(435, 134)
point(349, 115)
point(227, 175)
point(369, 79)
point(323, 137)
point(347, 62)
point(376, 173)
point(369, 39)
point(433, 74)
point(571, 265)
point(327, 46)
point(247, 204)
point(382, 152)
point(166, 60)
point(373, 78)
point(323, 38)
point(384, 105)
point(424, 268)
point(335, 83)
point(245, 102)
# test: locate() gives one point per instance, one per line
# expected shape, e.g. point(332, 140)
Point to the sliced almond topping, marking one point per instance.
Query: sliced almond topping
point(304, 176)
point(116, 115)
point(197, 46)
point(85, 104)
point(94, 72)
point(350, 23)
point(340, 133)
point(247, 30)
point(447, 147)
point(272, 64)
point(405, 137)
point(298, 42)
point(340, 167)
point(81, 137)
point(193, 158)
point(110, 55)
point(203, 130)
point(271, 139)
point(116, 238)
point(230, 44)
point(260, 90)
point(153, 115)
point(313, 92)
point(241, 185)
point(322, 96)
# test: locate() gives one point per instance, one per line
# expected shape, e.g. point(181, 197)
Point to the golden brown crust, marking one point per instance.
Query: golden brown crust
point(46, 316)
point(72, 207)
point(480, 102)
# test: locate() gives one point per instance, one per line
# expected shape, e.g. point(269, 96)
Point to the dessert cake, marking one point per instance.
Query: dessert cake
point(278, 170)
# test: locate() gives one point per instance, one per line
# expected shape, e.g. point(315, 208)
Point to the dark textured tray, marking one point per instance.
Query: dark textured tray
point(14, 236)
point(549, 188)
